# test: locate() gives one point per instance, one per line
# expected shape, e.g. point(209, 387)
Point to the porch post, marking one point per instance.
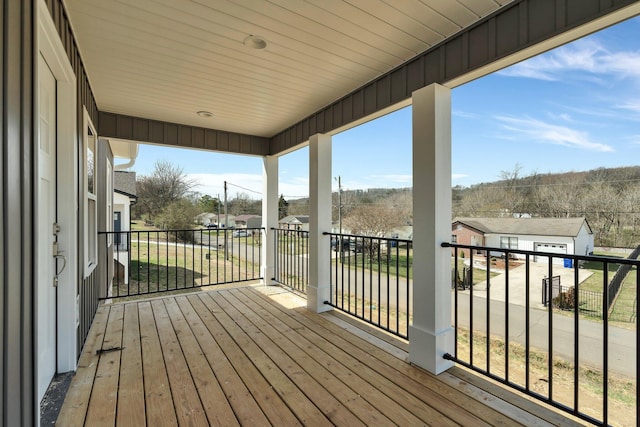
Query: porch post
point(269, 217)
point(318, 290)
point(431, 335)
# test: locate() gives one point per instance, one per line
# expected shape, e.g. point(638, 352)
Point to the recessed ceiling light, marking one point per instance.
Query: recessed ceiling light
point(254, 42)
point(203, 113)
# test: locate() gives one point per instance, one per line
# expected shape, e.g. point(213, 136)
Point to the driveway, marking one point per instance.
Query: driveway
point(517, 283)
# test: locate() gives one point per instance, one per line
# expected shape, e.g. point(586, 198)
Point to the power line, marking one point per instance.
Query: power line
point(244, 188)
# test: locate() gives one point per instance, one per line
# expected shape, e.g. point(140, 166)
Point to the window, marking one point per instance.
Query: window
point(507, 242)
point(90, 199)
point(454, 238)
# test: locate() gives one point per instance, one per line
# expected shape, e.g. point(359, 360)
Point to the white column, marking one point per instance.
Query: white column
point(318, 290)
point(431, 335)
point(269, 217)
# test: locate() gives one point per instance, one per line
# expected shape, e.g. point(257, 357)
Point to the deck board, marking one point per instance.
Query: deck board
point(131, 407)
point(104, 396)
point(186, 400)
point(157, 392)
point(255, 356)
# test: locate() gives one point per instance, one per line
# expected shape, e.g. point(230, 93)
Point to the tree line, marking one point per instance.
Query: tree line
point(609, 198)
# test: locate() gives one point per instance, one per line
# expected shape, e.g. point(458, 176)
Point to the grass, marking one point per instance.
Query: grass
point(621, 390)
point(624, 313)
point(164, 267)
point(393, 264)
point(478, 275)
point(594, 282)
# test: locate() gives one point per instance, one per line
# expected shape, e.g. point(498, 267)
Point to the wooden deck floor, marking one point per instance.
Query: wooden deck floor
point(254, 356)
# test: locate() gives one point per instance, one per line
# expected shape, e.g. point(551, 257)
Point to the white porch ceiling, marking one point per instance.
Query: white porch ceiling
point(168, 59)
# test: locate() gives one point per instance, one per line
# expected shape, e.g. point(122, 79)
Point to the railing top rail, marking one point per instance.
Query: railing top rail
point(595, 258)
point(204, 230)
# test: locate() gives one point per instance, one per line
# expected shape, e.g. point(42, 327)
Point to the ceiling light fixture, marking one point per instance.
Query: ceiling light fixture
point(255, 42)
point(203, 113)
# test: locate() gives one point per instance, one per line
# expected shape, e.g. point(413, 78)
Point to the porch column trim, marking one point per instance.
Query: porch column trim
point(269, 217)
point(431, 335)
point(318, 290)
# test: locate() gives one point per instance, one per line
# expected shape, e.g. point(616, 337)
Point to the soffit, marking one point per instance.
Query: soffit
point(167, 59)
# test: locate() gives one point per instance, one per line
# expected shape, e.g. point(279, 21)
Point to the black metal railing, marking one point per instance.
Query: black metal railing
point(370, 279)
point(170, 260)
point(618, 278)
point(503, 331)
point(563, 295)
point(291, 252)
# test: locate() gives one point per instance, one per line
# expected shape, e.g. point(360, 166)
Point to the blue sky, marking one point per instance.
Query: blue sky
point(571, 109)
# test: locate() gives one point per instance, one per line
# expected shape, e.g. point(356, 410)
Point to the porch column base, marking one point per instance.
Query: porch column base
point(426, 349)
point(316, 296)
point(267, 273)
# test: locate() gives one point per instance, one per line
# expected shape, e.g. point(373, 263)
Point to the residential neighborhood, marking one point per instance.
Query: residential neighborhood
point(378, 256)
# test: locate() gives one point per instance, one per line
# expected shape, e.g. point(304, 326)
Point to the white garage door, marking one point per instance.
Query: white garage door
point(555, 248)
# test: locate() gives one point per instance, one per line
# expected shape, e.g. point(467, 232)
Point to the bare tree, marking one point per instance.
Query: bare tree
point(166, 184)
point(373, 220)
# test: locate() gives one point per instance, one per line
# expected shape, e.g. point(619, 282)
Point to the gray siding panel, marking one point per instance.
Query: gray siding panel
point(112, 125)
point(517, 26)
point(17, 366)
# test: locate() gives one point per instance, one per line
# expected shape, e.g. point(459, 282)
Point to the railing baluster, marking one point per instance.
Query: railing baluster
point(506, 316)
point(550, 332)
point(605, 344)
point(527, 322)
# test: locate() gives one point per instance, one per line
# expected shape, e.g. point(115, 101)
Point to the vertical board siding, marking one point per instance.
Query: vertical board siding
point(17, 365)
point(113, 125)
point(89, 298)
point(516, 26)
point(63, 26)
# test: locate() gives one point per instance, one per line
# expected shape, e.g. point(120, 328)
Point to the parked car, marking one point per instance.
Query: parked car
point(212, 225)
point(241, 233)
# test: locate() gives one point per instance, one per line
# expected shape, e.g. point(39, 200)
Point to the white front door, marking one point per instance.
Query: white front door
point(46, 213)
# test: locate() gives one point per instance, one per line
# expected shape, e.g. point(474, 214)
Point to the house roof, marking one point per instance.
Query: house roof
point(246, 217)
point(295, 219)
point(125, 183)
point(526, 226)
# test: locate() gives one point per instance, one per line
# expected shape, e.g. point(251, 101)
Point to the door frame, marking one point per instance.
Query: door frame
point(50, 47)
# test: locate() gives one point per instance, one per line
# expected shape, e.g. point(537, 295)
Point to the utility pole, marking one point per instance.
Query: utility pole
point(226, 223)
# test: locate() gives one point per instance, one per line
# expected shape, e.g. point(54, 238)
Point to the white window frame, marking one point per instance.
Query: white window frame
point(90, 137)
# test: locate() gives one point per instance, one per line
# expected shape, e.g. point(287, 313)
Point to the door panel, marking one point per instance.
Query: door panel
point(46, 212)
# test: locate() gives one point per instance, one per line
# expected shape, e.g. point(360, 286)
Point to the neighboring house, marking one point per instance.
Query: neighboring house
point(556, 235)
point(248, 221)
point(206, 218)
point(222, 221)
point(124, 196)
point(294, 222)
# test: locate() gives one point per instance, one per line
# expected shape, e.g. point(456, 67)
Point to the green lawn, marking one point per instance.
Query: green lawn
point(393, 264)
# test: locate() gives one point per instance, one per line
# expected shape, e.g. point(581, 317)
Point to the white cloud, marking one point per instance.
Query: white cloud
point(587, 56)
point(455, 176)
point(464, 114)
point(540, 131)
